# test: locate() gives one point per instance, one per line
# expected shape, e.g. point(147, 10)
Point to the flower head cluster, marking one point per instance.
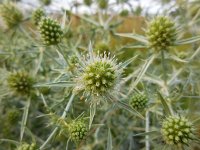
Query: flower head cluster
point(26, 146)
point(78, 130)
point(37, 15)
point(161, 33)
point(99, 75)
point(50, 31)
point(177, 130)
point(138, 101)
point(11, 15)
point(20, 82)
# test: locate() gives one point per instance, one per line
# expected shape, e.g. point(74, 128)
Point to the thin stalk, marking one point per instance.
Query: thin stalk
point(147, 144)
point(62, 117)
point(164, 66)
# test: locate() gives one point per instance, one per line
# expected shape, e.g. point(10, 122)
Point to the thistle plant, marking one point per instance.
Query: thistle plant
point(37, 15)
point(11, 15)
point(26, 146)
point(161, 33)
point(138, 101)
point(50, 31)
point(177, 130)
point(21, 83)
point(78, 130)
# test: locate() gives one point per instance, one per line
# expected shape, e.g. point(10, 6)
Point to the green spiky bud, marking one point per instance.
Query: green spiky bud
point(37, 15)
point(103, 4)
point(88, 2)
point(26, 146)
point(138, 101)
point(161, 33)
point(102, 47)
point(99, 77)
point(11, 15)
point(21, 83)
point(124, 13)
point(50, 31)
point(78, 130)
point(13, 116)
point(45, 2)
point(177, 130)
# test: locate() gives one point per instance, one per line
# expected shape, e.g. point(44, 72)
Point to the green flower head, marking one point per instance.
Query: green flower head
point(103, 4)
point(161, 33)
point(138, 101)
point(177, 130)
point(20, 82)
point(37, 15)
point(11, 15)
point(88, 2)
point(26, 146)
point(78, 130)
point(50, 31)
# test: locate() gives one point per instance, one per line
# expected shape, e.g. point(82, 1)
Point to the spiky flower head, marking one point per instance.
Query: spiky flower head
point(50, 31)
point(11, 15)
point(88, 2)
point(161, 33)
point(177, 130)
point(102, 47)
point(99, 76)
point(37, 15)
point(26, 146)
point(13, 116)
point(103, 4)
point(20, 82)
point(78, 130)
point(138, 101)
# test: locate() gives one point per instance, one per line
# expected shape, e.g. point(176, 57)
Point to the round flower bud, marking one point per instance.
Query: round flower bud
point(88, 2)
point(21, 83)
point(11, 15)
point(26, 146)
point(46, 2)
point(37, 15)
point(50, 31)
point(124, 13)
point(161, 33)
point(99, 77)
point(103, 4)
point(13, 116)
point(78, 130)
point(101, 47)
point(138, 101)
point(176, 130)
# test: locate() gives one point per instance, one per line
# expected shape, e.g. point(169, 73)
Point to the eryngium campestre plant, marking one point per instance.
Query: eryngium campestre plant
point(177, 130)
point(37, 15)
point(26, 146)
point(50, 31)
point(21, 83)
point(11, 15)
point(138, 101)
point(99, 75)
point(161, 33)
point(78, 130)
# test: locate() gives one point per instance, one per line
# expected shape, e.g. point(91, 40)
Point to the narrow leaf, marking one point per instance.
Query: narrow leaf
point(92, 114)
point(56, 84)
point(126, 63)
point(134, 36)
point(147, 133)
point(188, 40)
point(109, 141)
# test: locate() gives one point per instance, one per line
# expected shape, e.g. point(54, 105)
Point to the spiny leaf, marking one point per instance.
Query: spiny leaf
point(134, 36)
point(147, 133)
point(188, 40)
point(56, 84)
point(109, 140)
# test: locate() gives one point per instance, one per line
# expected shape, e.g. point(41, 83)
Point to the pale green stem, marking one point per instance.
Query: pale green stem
point(147, 144)
point(62, 117)
point(164, 66)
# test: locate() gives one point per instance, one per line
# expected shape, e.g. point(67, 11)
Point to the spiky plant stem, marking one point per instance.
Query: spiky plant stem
point(147, 144)
point(164, 66)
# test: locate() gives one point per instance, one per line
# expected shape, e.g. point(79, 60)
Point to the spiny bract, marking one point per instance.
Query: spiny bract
point(11, 15)
point(37, 15)
point(50, 31)
point(177, 130)
point(138, 101)
point(78, 130)
point(26, 146)
point(161, 33)
point(99, 75)
point(20, 82)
